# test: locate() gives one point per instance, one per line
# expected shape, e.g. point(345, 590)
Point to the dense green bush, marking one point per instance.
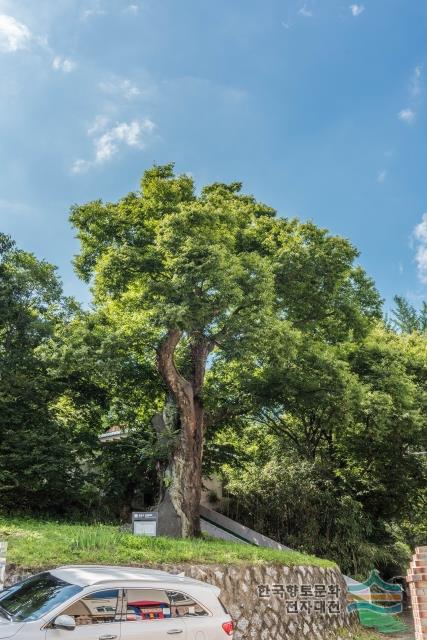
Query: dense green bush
point(303, 506)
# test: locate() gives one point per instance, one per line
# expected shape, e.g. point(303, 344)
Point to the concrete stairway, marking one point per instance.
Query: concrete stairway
point(219, 526)
point(417, 580)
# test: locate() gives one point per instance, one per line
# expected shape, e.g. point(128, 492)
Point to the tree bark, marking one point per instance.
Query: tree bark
point(179, 509)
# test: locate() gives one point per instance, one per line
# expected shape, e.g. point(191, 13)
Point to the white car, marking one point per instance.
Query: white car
point(112, 603)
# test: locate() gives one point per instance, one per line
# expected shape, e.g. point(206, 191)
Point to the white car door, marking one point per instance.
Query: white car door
point(97, 617)
point(198, 623)
point(23, 630)
point(148, 616)
point(206, 628)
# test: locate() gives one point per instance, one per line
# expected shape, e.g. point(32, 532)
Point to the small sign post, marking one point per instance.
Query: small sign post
point(3, 551)
point(144, 523)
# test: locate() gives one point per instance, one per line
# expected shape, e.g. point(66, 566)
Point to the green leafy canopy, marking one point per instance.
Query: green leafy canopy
point(219, 264)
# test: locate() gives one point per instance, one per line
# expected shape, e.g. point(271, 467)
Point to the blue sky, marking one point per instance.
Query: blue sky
point(318, 107)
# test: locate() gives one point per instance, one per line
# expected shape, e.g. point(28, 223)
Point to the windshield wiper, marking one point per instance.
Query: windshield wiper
point(6, 614)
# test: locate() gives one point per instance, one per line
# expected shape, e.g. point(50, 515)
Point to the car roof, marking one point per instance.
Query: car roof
point(88, 575)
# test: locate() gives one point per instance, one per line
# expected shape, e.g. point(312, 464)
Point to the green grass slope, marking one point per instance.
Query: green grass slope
point(37, 544)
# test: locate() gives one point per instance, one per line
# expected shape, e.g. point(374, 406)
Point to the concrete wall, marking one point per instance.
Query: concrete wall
point(273, 602)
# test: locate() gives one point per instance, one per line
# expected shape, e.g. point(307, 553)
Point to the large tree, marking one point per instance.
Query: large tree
point(192, 276)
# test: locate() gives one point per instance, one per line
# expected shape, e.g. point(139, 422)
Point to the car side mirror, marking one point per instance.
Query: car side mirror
point(64, 622)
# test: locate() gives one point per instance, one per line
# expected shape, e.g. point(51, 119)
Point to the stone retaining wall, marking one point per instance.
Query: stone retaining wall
point(271, 602)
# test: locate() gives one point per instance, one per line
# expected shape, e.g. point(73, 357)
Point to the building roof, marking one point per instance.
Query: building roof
point(116, 432)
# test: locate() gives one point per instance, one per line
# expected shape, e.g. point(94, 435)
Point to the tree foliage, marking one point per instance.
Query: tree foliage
point(329, 456)
point(38, 465)
point(407, 318)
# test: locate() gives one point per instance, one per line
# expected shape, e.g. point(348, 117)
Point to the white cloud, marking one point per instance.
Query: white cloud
point(407, 115)
point(420, 237)
point(132, 8)
point(14, 35)
point(304, 11)
point(382, 176)
point(123, 87)
point(92, 12)
point(107, 140)
point(356, 9)
point(415, 85)
point(63, 64)
point(100, 124)
point(80, 166)
point(108, 143)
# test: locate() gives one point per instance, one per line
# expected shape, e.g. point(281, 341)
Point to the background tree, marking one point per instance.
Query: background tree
point(322, 457)
point(102, 384)
point(38, 466)
point(191, 277)
point(407, 318)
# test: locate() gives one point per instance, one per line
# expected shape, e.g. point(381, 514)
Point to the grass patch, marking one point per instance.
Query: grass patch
point(362, 634)
point(38, 544)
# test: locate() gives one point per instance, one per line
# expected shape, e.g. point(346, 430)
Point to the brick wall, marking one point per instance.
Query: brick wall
point(417, 580)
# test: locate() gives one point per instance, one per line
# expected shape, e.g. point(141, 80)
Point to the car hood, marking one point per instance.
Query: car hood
point(8, 629)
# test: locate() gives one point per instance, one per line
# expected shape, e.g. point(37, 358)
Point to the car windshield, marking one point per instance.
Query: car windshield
point(33, 598)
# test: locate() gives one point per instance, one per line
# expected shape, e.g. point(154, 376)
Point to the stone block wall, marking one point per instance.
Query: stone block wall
point(272, 602)
point(417, 580)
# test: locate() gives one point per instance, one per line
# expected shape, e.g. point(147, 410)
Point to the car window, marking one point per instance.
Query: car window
point(33, 598)
point(146, 604)
point(98, 607)
point(183, 605)
point(156, 604)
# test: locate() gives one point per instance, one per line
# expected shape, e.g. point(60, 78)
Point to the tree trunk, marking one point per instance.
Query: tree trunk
point(179, 509)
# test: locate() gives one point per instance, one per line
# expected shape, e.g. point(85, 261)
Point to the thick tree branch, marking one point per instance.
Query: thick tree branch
point(175, 382)
point(200, 350)
point(222, 333)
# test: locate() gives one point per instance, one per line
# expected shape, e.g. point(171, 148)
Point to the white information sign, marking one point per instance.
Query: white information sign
point(142, 528)
point(3, 551)
point(144, 523)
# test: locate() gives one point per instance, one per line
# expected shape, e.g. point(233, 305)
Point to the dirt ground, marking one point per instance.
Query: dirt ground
point(408, 620)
